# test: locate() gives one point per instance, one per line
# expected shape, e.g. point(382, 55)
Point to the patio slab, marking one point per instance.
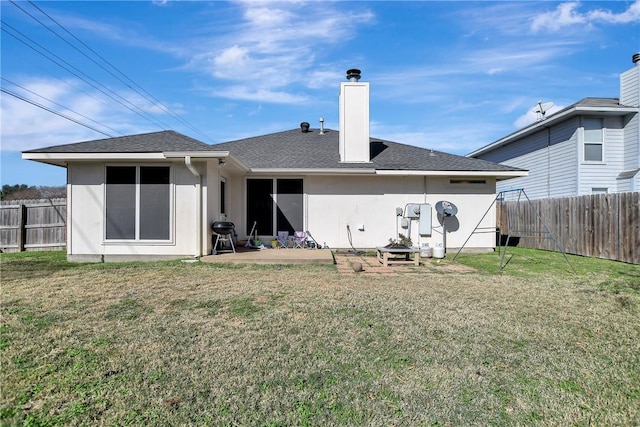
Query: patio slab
point(272, 256)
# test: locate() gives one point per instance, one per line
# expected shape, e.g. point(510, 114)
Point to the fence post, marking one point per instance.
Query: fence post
point(22, 222)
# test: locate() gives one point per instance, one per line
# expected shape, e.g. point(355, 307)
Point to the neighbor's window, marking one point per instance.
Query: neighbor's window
point(138, 203)
point(599, 190)
point(593, 139)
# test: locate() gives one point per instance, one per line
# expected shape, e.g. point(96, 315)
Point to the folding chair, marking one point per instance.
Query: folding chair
point(283, 239)
point(299, 239)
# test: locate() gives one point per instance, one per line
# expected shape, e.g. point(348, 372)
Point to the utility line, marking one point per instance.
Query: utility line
point(143, 91)
point(128, 83)
point(61, 106)
point(67, 82)
point(87, 79)
point(21, 98)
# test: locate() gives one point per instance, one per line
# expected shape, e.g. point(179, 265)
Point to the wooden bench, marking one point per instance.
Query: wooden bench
point(390, 256)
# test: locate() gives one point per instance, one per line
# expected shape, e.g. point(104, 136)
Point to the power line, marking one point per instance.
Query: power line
point(61, 106)
point(21, 98)
point(80, 74)
point(129, 83)
point(140, 90)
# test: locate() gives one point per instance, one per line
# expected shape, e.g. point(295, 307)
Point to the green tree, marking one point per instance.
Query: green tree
point(8, 189)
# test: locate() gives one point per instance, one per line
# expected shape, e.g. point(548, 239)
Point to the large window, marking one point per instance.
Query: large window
point(138, 203)
point(593, 139)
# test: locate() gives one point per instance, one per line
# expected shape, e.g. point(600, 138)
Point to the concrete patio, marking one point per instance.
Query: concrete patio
point(272, 256)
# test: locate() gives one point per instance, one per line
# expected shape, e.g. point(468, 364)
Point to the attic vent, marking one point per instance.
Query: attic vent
point(304, 127)
point(353, 75)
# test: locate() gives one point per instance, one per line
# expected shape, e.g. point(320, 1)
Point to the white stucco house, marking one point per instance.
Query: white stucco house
point(590, 147)
point(155, 195)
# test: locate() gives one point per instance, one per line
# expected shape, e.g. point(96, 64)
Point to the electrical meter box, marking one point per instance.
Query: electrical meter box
point(413, 211)
point(424, 228)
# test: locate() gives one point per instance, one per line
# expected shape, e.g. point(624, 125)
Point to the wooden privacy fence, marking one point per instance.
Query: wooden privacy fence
point(600, 225)
point(33, 224)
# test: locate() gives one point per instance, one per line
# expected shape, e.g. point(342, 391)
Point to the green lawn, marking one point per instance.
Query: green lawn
point(203, 344)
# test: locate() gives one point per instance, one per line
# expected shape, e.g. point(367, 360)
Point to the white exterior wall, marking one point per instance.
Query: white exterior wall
point(332, 203)
point(86, 231)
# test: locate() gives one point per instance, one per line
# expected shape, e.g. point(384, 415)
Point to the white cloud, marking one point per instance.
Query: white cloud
point(568, 14)
point(246, 93)
point(275, 46)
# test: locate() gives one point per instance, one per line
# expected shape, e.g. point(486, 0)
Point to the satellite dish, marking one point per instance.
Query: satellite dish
point(445, 208)
point(542, 108)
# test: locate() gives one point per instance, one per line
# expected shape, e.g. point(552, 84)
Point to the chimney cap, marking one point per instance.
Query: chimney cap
point(353, 74)
point(636, 58)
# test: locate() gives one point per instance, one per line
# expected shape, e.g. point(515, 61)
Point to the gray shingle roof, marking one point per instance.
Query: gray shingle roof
point(155, 142)
point(297, 150)
point(290, 149)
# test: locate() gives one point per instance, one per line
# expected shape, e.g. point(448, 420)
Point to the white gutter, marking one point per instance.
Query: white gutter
point(194, 171)
point(503, 174)
point(196, 154)
point(311, 171)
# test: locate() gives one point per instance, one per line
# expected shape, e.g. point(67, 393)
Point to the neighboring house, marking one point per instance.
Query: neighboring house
point(590, 147)
point(156, 195)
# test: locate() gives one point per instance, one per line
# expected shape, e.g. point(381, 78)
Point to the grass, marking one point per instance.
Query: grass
point(170, 343)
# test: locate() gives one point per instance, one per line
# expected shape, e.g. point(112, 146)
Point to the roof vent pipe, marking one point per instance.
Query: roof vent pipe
point(353, 75)
point(636, 58)
point(304, 127)
point(321, 120)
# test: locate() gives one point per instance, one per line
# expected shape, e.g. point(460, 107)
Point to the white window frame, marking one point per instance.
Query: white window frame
point(586, 143)
point(137, 240)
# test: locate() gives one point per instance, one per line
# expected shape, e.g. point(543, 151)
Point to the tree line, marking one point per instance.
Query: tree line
point(26, 192)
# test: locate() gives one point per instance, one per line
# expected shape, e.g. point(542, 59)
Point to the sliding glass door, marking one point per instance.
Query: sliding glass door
point(275, 205)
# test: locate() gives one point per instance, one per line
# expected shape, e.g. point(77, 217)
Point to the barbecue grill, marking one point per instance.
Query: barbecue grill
point(223, 233)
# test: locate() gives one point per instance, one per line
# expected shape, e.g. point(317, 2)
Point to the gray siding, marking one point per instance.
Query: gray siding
point(630, 87)
point(553, 169)
point(561, 159)
point(557, 134)
point(632, 142)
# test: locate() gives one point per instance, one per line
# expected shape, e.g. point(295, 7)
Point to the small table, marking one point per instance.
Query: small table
point(389, 256)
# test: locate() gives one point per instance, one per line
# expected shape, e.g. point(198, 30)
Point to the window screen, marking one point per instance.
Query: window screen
point(154, 203)
point(138, 203)
point(121, 202)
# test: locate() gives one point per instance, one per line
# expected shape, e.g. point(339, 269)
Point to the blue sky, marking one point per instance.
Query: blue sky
point(451, 76)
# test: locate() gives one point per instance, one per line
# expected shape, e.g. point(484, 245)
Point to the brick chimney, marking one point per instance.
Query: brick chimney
point(354, 119)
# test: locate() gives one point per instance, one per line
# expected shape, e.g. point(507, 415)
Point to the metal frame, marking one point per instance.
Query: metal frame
point(499, 198)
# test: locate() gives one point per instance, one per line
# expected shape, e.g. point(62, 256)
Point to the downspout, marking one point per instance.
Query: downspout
point(194, 172)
